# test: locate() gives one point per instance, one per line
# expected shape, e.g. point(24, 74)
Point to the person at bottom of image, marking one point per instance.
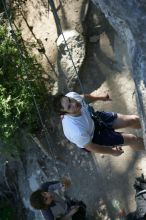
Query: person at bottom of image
point(54, 205)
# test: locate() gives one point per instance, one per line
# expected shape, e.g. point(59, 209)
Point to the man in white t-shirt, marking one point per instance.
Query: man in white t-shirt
point(95, 131)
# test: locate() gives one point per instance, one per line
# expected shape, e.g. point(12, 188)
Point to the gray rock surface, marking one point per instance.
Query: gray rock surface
point(71, 54)
point(128, 18)
point(98, 179)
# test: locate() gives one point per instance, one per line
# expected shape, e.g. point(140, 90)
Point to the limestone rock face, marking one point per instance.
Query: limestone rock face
point(128, 18)
point(71, 54)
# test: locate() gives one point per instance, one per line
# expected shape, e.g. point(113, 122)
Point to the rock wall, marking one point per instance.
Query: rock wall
point(71, 54)
point(128, 18)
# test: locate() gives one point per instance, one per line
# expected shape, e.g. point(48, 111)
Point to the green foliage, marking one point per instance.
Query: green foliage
point(17, 108)
point(6, 211)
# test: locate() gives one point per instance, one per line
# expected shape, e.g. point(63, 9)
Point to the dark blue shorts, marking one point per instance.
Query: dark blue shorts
point(104, 134)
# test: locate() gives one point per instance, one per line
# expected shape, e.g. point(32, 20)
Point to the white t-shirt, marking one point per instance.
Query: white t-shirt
point(78, 129)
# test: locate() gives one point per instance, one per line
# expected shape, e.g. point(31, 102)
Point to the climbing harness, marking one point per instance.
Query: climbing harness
point(97, 162)
point(99, 171)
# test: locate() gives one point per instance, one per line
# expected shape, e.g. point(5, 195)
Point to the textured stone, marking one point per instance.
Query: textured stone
point(71, 54)
point(128, 18)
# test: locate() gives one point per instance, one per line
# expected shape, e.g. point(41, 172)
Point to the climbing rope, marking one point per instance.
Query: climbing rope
point(99, 168)
point(51, 150)
point(58, 24)
point(29, 84)
point(26, 69)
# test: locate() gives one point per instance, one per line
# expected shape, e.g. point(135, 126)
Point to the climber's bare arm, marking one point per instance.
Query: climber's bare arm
point(95, 96)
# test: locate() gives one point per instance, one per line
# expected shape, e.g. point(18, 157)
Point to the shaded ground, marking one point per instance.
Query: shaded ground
point(96, 179)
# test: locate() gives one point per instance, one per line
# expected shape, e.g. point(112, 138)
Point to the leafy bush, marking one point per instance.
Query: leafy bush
point(7, 212)
point(17, 108)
